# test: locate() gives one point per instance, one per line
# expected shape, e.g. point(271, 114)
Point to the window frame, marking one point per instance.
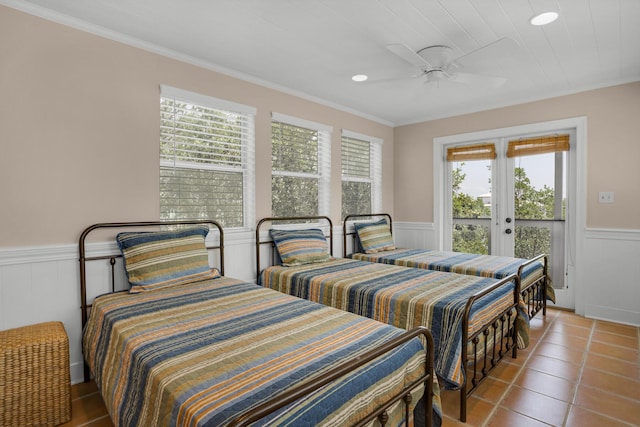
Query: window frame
point(324, 159)
point(247, 147)
point(375, 168)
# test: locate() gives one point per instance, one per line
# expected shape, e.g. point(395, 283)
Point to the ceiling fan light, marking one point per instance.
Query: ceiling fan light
point(544, 18)
point(360, 78)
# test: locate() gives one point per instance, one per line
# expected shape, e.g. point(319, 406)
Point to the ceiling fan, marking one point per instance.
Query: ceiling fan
point(436, 62)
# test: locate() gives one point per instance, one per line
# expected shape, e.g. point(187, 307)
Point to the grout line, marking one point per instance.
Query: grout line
point(91, 421)
point(85, 396)
point(579, 379)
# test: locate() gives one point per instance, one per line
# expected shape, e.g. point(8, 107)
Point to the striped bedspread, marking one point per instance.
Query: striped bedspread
point(202, 353)
point(402, 297)
point(494, 266)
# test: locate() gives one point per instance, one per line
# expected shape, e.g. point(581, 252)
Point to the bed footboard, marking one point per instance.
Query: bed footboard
point(490, 344)
point(380, 414)
point(535, 294)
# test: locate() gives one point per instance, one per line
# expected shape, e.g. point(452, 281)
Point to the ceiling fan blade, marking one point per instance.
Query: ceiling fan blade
point(406, 53)
point(477, 79)
point(392, 79)
point(487, 54)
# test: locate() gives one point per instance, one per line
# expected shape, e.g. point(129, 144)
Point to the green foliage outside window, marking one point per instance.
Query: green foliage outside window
point(468, 238)
point(295, 166)
point(356, 197)
point(530, 204)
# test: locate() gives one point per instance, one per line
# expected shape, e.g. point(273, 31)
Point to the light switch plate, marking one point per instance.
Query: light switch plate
point(605, 197)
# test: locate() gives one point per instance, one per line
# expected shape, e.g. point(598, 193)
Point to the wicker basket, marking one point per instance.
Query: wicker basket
point(35, 386)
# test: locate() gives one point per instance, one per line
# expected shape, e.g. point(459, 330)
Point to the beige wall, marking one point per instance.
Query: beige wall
point(79, 129)
point(613, 151)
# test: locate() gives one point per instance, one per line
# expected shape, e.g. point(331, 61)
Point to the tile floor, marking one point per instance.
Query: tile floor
point(576, 372)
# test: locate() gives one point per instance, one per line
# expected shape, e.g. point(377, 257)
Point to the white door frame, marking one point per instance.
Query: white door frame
point(573, 296)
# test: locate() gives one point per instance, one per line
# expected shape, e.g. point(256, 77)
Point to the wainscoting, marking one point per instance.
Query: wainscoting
point(611, 275)
point(42, 283)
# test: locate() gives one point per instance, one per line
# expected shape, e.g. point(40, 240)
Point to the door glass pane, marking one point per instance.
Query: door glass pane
point(540, 209)
point(471, 206)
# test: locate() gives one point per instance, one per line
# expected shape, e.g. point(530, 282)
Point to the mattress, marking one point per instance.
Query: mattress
point(402, 297)
point(202, 353)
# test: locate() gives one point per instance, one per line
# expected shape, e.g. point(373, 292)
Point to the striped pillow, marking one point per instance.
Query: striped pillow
point(374, 236)
point(297, 247)
point(155, 260)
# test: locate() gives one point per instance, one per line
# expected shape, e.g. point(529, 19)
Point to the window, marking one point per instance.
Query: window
point(361, 173)
point(206, 159)
point(300, 166)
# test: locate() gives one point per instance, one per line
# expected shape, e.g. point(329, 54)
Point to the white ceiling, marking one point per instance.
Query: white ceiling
point(311, 48)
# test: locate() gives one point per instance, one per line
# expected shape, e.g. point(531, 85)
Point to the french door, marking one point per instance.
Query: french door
point(508, 196)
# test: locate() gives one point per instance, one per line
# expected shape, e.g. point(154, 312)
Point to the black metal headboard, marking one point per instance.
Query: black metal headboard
point(291, 220)
point(84, 305)
point(351, 218)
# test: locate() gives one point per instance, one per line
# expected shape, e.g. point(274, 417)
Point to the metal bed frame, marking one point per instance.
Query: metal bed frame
point(258, 412)
point(533, 294)
point(500, 328)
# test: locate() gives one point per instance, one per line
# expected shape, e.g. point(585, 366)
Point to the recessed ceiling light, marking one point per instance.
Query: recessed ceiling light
point(359, 78)
point(544, 18)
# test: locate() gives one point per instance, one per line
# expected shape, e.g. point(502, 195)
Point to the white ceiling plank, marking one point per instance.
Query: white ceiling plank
point(310, 48)
point(606, 24)
point(630, 38)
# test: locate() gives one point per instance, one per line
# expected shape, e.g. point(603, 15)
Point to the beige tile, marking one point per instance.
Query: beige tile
point(615, 384)
point(555, 367)
point(454, 422)
point(100, 422)
point(612, 365)
point(491, 389)
point(87, 409)
point(546, 384)
point(616, 328)
point(535, 405)
point(478, 410)
point(610, 405)
point(504, 417)
point(574, 343)
point(83, 389)
point(560, 352)
point(506, 371)
point(606, 349)
point(572, 330)
point(580, 417)
point(575, 320)
point(615, 339)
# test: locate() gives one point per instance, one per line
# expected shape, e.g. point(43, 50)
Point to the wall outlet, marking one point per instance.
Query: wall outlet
point(605, 197)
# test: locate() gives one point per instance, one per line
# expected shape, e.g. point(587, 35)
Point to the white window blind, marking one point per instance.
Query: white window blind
point(207, 159)
point(361, 173)
point(300, 166)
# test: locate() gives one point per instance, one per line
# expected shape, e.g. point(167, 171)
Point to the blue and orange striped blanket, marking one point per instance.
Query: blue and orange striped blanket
point(402, 297)
point(202, 353)
point(494, 266)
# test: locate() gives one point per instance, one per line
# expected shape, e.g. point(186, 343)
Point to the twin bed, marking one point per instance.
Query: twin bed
point(185, 345)
point(535, 285)
point(475, 321)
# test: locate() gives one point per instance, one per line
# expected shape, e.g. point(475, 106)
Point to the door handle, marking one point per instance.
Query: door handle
point(508, 231)
point(508, 220)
